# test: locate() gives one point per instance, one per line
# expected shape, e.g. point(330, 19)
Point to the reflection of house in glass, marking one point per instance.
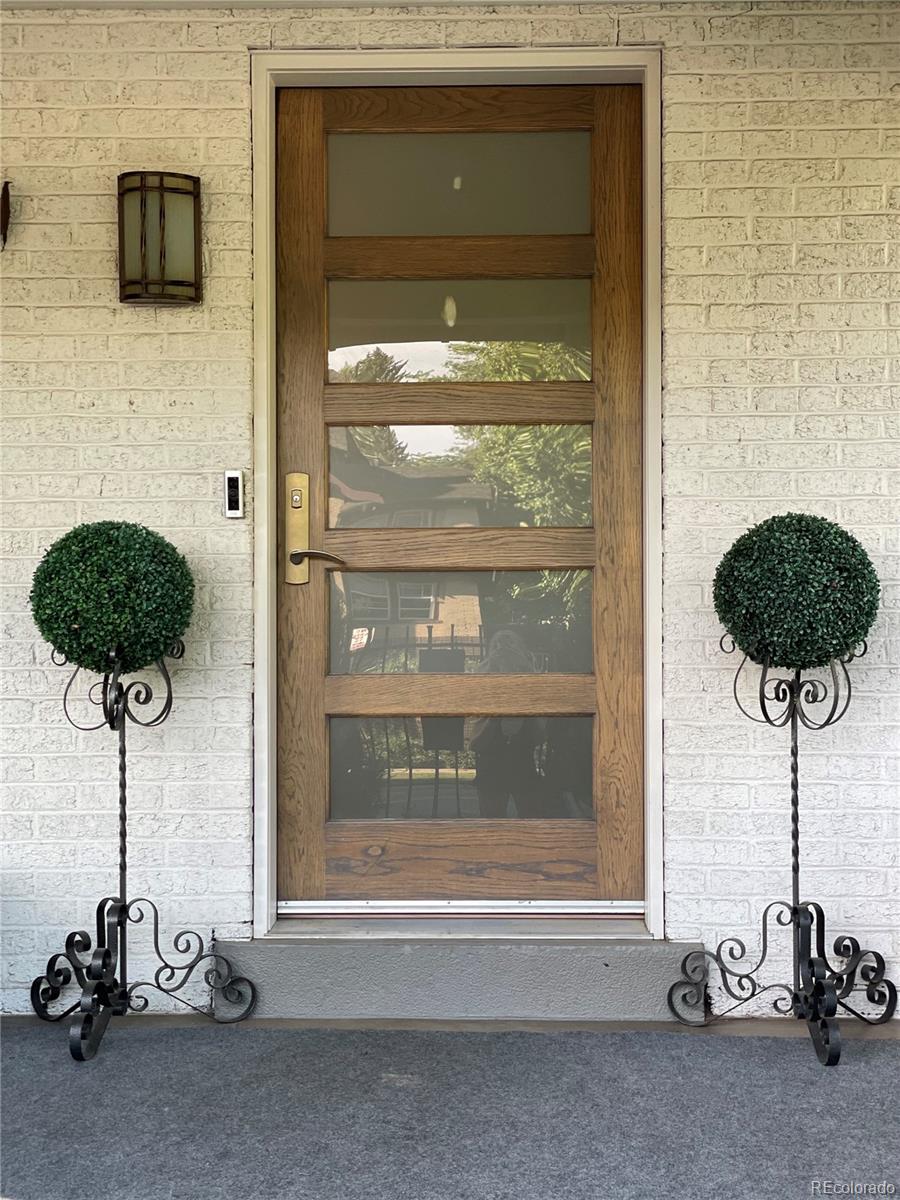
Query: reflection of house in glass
point(369, 490)
point(406, 622)
point(435, 622)
point(445, 620)
point(503, 622)
point(455, 622)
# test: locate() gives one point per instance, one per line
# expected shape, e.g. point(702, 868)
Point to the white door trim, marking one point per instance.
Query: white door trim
point(354, 68)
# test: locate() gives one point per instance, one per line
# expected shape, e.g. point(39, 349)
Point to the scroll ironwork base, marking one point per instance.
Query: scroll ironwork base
point(819, 987)
point(100, 969)
point(95, 969)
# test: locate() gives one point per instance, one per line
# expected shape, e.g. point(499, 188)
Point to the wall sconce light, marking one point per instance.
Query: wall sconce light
point(159, 238)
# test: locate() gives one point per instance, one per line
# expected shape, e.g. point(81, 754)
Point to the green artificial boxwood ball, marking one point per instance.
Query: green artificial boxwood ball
point(112, 587)
point(796, 591)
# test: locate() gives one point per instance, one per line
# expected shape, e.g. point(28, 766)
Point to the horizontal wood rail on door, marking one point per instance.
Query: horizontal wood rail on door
point(470, 403)
point(458, 109)
point(459, 258)
point(461, 549)
point(401, 859)
point(466, 695)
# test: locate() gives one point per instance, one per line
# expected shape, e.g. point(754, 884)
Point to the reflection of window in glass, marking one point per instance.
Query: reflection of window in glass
point(441, 476)
point(415, 601)
point(494, 767)
point(398, 331)
point(403, 518)
point(369, 598)
point(489, 622)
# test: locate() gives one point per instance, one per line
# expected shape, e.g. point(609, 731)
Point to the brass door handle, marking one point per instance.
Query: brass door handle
point(296, 531)
point(297, 557)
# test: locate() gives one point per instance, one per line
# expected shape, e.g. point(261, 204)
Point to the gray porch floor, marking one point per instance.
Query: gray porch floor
point(279, 1113)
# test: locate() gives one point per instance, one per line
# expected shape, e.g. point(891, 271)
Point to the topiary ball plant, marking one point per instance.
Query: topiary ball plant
point(112, 588)
point(796, 591)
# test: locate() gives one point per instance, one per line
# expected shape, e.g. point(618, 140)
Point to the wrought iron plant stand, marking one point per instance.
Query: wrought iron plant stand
point(101, 970)
point(820, 987)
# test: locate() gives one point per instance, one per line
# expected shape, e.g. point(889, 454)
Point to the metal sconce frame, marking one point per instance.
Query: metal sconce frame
point(4, 214)
point(150, 285)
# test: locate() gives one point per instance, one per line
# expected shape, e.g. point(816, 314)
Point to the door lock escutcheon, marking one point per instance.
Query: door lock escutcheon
point(296, 526)
point(297, 551)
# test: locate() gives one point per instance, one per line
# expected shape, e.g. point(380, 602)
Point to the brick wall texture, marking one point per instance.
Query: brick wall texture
point(781, 385)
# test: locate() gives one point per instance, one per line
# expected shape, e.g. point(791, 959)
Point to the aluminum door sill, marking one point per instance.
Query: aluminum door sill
point(460, 908)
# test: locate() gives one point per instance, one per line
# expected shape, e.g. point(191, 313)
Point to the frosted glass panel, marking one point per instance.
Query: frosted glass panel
point(180, 237)
point(470, 329)
point(415, 768)
point(443, 476)
point(458, 183)
point(453, 622)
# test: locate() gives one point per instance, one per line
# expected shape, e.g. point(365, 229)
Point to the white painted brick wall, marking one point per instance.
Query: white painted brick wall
point(782, 381)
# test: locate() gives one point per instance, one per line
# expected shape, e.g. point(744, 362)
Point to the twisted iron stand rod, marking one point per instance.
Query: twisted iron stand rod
point(795, 828)
point(819, 987)
point(123, 842)
point(101, 970)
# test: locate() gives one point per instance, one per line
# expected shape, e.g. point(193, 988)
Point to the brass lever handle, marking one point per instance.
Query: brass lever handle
point(297, 557)
point(296, 530)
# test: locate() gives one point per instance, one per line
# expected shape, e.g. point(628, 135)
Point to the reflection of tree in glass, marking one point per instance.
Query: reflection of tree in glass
point(543, 469)
point(560, 602)
point(376, 367)
point(511, 361)
point(378, 442)
point(542, 472)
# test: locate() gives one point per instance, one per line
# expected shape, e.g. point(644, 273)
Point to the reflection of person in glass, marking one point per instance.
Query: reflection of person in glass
point(504, 746)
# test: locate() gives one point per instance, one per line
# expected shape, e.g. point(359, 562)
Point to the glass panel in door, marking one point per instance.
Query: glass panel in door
point(416, 331)
point(501, 767)
point(446, 476)
point(458, 622)
point(458, 183)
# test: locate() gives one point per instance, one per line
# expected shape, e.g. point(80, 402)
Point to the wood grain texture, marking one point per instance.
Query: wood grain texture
point(547, 257)
point(618, 604)
point(458, 109)
point(302, 747)
point(461, 549)
point(433, 860)
point(459, 695)
point(459, 403)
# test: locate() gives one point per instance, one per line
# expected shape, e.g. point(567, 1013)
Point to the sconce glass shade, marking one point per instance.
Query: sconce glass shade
point(159, 238)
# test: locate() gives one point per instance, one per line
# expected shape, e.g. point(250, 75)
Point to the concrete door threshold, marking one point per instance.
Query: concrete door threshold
point(433, 973)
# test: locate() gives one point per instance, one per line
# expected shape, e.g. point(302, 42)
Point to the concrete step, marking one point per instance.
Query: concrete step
point(414, 976)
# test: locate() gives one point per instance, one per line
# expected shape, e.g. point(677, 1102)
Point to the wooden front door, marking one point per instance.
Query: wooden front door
point(460, 686)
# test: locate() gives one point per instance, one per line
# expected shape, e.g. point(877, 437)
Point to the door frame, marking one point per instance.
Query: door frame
point(271, 70)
